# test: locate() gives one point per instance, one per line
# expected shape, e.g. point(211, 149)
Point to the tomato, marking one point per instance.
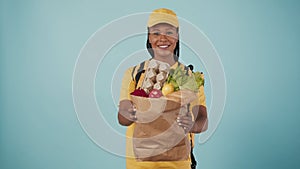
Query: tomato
point(167, 89)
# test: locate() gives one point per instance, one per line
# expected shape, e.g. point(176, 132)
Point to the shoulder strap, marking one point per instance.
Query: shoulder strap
point(186, 68)
point(139, 72)
point(132, 73)
point(191, 67)
point(193, 160)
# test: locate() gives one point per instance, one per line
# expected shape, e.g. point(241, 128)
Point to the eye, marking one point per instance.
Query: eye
point(170, 33)
point(156, 33)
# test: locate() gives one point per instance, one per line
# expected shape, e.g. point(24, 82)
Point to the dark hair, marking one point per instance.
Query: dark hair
point(150, 50)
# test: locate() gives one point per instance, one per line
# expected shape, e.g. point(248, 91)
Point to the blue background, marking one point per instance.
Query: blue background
point(258, 42)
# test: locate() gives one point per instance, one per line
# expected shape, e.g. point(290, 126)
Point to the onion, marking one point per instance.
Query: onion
point(155, 93)
point(139, 92)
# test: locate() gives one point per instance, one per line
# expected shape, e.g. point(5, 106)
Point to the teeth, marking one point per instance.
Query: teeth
point(163, 46)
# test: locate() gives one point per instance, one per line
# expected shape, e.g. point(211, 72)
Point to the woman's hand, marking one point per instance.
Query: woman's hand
point(186, 122)
point(129, 113)
point(126, 114)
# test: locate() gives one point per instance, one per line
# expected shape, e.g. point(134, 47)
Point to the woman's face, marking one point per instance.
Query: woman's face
point(163, 38)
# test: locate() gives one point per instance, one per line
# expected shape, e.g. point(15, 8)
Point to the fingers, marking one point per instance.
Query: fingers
point(132, 113)
point(185, 122)
point(132, 110)
point(129, 114)
point(132, 117)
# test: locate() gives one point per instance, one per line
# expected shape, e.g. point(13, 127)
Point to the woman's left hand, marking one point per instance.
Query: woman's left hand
point(185, 122)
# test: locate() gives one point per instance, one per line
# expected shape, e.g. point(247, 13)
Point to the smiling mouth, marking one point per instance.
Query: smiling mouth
point(163, 46)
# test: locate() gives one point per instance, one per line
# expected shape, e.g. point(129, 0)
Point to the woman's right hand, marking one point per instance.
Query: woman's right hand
point(126, 114)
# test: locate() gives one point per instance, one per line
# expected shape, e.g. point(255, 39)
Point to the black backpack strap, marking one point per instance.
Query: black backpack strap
point(186, 68)
point(141, 68)
point(140, 71)
point(193, 160)
point(132, 73)
point(191, 67)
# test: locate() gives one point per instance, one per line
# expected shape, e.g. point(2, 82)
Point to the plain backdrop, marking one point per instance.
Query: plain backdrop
point(258, 43)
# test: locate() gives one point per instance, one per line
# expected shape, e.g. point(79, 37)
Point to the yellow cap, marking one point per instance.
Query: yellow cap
point(163, 15)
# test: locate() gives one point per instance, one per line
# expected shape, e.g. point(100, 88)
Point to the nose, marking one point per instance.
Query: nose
point(163, 37)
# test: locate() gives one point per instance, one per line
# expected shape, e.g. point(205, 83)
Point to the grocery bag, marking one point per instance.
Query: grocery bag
point(157, 136)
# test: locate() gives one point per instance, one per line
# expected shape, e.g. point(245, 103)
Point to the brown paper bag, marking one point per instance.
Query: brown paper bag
point(157, 136)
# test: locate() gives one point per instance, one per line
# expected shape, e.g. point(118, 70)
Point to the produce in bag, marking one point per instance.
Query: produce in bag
point(157, 136)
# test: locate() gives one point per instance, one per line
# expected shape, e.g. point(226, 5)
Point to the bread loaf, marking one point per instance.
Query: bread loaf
point(156, 75)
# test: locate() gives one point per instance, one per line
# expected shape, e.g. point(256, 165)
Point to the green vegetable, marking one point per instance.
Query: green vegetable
point(199, 78)
point(180, 79)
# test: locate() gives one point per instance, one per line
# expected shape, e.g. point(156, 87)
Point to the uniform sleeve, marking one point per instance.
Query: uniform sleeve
point(127, 85)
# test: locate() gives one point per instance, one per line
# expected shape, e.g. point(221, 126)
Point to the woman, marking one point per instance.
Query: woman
point(163, 45)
